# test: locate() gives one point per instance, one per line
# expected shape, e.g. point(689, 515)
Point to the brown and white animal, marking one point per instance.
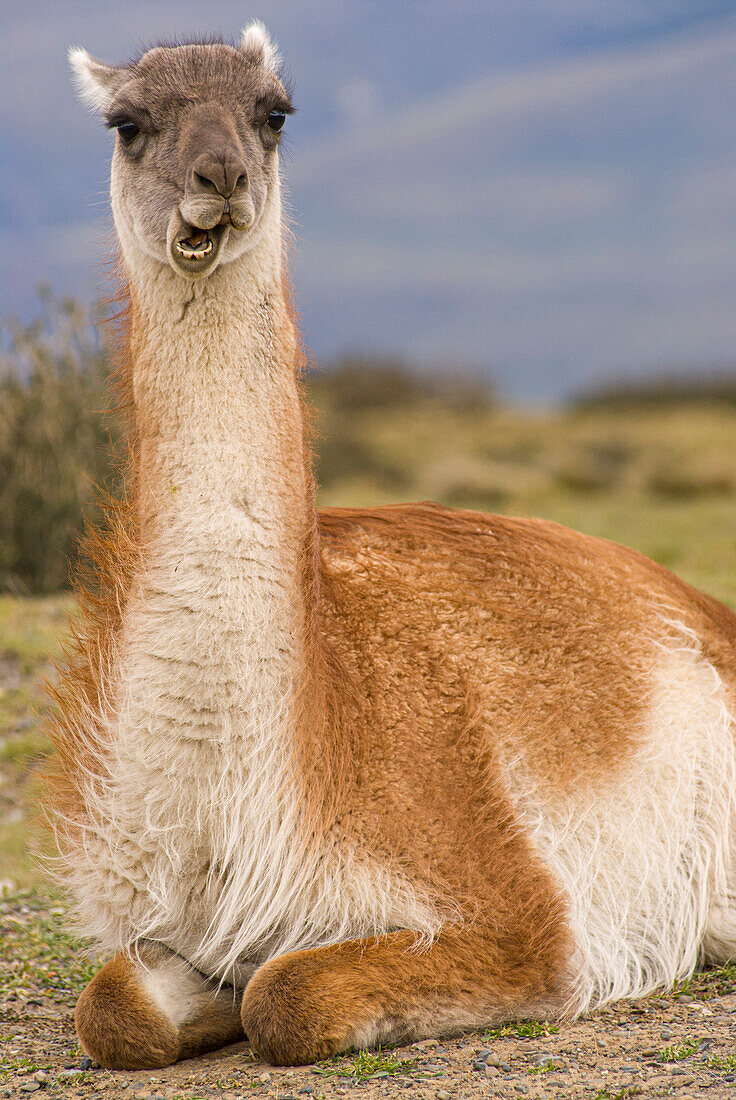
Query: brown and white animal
point(336, 778)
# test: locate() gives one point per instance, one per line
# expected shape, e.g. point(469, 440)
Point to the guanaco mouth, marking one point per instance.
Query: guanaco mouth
point(196, 246)
point(193, 251)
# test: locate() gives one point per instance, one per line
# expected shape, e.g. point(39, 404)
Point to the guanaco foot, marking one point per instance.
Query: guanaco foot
point(149, 1011)
point(294, 1013)
point(308, 1005)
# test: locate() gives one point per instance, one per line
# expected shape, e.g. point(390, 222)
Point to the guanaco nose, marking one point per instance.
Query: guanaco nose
point(221, 175)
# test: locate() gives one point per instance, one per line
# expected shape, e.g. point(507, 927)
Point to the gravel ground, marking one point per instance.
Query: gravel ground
point(677, 1045)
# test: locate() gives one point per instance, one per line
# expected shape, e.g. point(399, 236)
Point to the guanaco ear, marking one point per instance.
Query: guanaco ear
point(96, 82)
point(256, 44)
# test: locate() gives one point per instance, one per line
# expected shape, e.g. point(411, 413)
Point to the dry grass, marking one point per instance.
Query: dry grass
point(661, 479)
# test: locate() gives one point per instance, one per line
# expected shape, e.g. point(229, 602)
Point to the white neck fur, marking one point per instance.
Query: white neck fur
point(223, 490)
point(199, 836)
point(213, 646)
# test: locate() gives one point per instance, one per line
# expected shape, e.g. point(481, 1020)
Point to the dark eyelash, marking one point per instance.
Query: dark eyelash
point(266, 106)
point(119, 120)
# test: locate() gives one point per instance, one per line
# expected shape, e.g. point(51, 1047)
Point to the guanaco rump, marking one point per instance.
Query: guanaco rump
point(334, 778)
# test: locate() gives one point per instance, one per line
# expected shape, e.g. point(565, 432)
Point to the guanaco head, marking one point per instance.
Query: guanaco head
point(195, 162)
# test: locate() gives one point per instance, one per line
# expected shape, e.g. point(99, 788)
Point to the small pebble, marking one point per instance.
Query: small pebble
point(492, 1071)
point(30, 1086)
point(307, 1090)
point(265, 1078)
point(479, 1065)
point(493, 1060)
point(601, 1042)
point(42, 1077)
point(68, 1074)
point(86, 1063)
point(443, 1095)
point(665, 1034)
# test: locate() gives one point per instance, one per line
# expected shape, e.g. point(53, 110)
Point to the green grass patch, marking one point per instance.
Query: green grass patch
point(524, 1029)
point(368, 1065)
point(548, 1067)
point(32, 628)
point(621, 1094)
point(678, 1054)
point(12, 1067)
point(38, 954)
point(716, 981)
point(24, 748)
point(727, 1064)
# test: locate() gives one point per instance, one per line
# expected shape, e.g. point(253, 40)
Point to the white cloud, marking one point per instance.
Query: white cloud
point(532, 195)
point(684, 258)
point(507, 95)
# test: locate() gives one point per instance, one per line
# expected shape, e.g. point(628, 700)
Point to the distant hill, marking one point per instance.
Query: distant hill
point(669, 389)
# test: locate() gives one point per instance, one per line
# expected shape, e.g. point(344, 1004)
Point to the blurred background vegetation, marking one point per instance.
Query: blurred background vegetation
point(650, 465)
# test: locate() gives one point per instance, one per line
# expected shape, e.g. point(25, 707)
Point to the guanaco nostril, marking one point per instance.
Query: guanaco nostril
point(241, 181)
point(206, 183)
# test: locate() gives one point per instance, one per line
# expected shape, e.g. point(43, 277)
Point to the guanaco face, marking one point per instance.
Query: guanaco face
point(195, 161)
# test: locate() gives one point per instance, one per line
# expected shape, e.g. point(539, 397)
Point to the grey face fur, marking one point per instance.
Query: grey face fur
point(195, 157)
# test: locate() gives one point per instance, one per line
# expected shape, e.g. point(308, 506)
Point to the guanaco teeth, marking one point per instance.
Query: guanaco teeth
point(194, 253)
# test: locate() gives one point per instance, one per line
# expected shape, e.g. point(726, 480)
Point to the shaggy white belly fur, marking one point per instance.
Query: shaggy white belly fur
point(648, 862)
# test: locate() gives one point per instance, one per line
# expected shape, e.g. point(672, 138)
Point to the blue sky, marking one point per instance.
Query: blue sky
point(543, 190)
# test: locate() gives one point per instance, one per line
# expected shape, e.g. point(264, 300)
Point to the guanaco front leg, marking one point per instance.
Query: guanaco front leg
point(308, 1005)
point(151, 1009)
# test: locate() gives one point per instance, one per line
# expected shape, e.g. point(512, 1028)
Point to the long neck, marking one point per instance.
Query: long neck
point(226, 506)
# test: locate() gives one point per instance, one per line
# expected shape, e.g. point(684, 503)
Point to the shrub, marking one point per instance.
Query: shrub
point(54, 441)
point(57, 439)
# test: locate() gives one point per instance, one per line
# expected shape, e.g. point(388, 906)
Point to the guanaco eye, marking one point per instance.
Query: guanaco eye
point(276, 120)
point(128, 130)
